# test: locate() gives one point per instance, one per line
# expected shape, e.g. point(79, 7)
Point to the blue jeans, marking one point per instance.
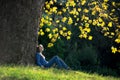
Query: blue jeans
point(58, 61)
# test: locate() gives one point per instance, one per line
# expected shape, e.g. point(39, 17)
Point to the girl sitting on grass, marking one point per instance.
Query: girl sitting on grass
point(41, 61)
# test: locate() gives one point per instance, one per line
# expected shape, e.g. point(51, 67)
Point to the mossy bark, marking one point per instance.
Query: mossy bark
point(19, 21)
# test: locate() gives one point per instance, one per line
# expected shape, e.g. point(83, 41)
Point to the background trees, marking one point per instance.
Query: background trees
point(74, 29)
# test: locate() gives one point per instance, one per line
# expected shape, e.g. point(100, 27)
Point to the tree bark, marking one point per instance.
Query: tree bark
point(19, 20)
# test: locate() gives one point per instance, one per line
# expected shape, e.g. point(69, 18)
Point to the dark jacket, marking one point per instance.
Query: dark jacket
point(40, 61)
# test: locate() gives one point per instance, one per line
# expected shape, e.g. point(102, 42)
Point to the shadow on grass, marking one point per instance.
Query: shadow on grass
point(14, 78)
point(104, 71)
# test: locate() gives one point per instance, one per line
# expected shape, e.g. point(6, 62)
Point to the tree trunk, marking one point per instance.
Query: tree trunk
point(19, 20)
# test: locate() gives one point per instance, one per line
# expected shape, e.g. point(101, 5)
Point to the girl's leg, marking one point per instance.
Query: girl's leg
point(54, 60)
point(63, 63)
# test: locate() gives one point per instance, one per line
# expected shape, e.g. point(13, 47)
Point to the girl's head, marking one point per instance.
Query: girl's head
point(40, 48)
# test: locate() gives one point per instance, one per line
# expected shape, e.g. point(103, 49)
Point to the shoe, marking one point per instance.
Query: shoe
point(68, 68)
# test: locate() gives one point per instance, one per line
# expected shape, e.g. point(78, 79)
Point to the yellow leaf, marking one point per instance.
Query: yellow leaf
point(70, 21)
point(51, 2)
point(64, 19)
point(50, 36)
point(56, 35)
point(42, 33)
point(47, 6)
point(64, 28)
point(61, 32)
point(69, 33)
point(100, 19)
point(50, 44)
point(113, 3)
point(41, 25)
point(114, 50)
point(47, 30)
point(53, 40)
point(68, 37)
point(79, 9)
point(57, 21)
point(86, 10)
point(117, 40)
point(64, 10)
point(110, 24)
point(90, 38)
point(105, 0)
point(59, 13)
point(83, 2)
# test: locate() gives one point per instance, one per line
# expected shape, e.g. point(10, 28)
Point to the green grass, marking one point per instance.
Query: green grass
point(37, 73)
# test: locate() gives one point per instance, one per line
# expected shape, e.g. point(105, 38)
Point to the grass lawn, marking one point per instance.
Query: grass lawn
point(37, 73)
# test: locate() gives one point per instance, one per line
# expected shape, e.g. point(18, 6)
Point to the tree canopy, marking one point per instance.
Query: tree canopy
point(81, 18)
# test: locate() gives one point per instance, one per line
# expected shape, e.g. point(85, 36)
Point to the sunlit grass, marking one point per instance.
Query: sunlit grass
point(37, 73)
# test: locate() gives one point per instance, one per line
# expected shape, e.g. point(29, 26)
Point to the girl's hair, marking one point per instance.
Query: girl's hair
point(37, 49)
